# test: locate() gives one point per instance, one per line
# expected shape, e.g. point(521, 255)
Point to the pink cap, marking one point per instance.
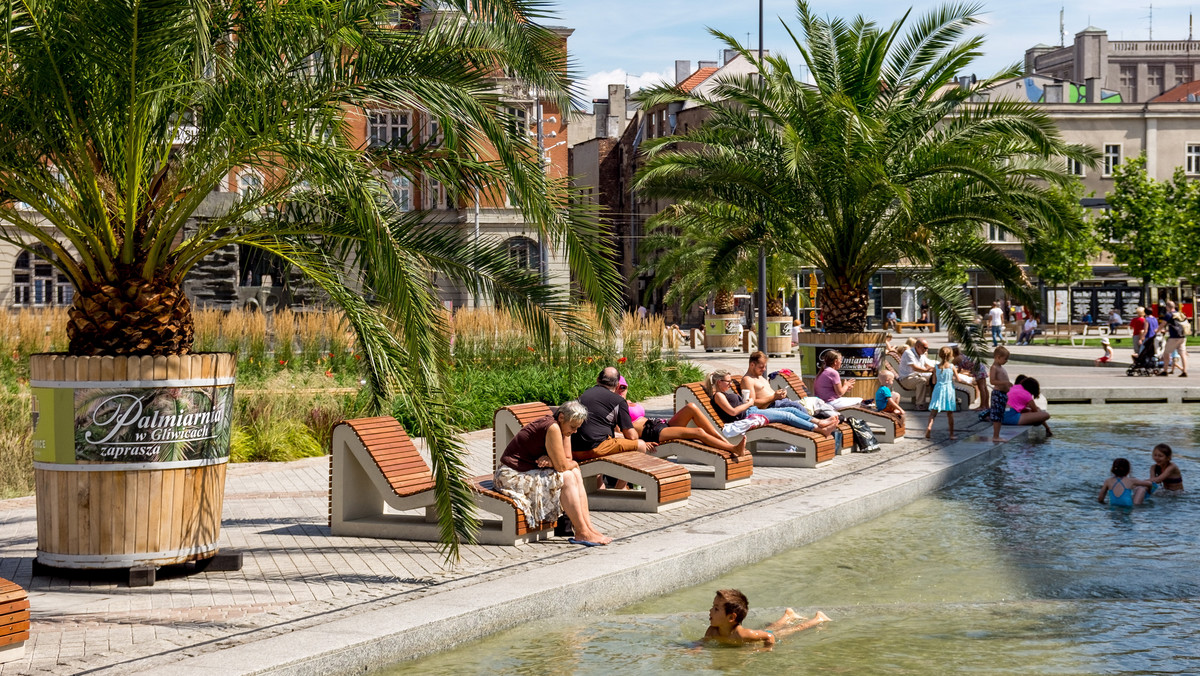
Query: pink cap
point(621, 382)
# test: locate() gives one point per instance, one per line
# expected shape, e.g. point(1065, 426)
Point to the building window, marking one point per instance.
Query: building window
point(997, 233)
point(433, 133)
point(1074, 167)
point(1154, 80)
point(37, 284)
point(400, 189)
point(1183, 73)
point(1128, 80)
point(388, 127)
point(1112, 158)
point(247, 181)
point(524, 252)
point(436, 196)
point(1193, 159)
point(518, 118)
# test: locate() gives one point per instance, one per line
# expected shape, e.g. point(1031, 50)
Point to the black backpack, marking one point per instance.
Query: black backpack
point(864, 438)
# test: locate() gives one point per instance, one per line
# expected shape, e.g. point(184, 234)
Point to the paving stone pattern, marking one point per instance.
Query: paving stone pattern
point(296, 575)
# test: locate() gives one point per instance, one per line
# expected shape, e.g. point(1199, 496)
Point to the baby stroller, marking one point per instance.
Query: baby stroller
point(1146, 363)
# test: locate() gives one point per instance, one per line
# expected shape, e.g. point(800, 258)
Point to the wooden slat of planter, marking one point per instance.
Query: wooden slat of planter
point(66, 500)
point(94, 521)
point(142, 512)
point(167, 514)
point(116, 514)
point(177, 499)
point(105, 493)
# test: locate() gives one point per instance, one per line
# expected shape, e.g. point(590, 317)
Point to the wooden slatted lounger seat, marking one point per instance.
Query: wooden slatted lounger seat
point(665, 485)
point(14, 621)
point(887, 427)
point(374, 462)
point(766, 443)
point(711, 468)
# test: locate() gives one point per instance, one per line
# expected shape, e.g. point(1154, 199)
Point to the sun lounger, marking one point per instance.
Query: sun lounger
point(14, 621)
point(663, 484)
point(711, 468)
point(886, 426)
point(375, 463)
point(767, 443)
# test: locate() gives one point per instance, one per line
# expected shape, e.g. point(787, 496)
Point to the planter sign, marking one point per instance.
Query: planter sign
point(106, 424)
point(858, 361)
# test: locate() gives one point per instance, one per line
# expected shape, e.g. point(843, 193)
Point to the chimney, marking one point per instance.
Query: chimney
point(682, 70)
point(729, 55)
point(600, 110)
point(617, 105)
point(706, 64)
point(1092, 93)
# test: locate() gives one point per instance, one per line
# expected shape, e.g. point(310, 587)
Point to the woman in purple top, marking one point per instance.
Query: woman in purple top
point(829, 385)
point(537, 472)
point(1022, 410)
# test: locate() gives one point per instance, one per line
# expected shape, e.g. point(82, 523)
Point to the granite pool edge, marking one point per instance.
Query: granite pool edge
point(653, 563)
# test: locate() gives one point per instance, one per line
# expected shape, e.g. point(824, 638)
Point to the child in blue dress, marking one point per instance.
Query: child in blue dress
point(943, 398)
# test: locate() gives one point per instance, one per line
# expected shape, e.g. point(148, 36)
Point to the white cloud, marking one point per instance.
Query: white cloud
point(595, 86)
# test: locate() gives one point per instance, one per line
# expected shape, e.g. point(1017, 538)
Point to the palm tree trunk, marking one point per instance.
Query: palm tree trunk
point(845, 307)
point(133, 317)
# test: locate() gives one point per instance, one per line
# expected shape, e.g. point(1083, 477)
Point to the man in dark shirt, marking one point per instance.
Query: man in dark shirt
point(607, 411)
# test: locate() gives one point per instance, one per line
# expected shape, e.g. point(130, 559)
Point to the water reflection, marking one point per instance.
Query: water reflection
point(1016, 569)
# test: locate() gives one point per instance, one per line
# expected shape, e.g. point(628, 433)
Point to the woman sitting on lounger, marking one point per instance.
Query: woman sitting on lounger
point(537, 471)
point(729, 405)
point(658, 430)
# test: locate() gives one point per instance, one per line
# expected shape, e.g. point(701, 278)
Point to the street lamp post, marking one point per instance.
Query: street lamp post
point(762, 250)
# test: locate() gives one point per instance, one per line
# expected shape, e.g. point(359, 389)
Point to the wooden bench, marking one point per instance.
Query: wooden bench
point(374, 462)
point(900, 326)
point(1069, 331)
point(664, 485)
point(766, 444)
point(14, 621)
point(887, 427)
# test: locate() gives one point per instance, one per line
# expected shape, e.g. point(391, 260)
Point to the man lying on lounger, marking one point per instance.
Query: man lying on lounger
point(774, 404)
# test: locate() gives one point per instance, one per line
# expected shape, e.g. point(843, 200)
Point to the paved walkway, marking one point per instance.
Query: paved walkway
point(297, 577)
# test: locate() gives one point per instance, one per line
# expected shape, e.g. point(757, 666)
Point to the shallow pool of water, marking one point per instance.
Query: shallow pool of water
point(1015, 569)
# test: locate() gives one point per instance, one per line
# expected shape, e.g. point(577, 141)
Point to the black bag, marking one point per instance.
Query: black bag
point(864, 438)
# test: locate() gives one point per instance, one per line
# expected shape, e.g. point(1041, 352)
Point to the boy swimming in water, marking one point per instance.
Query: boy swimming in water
point(730, 608)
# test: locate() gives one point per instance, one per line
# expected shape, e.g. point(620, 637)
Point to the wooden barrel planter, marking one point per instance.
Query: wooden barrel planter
point(862, 357)
point(779, 336)
point(722, 332)
point(129, 457)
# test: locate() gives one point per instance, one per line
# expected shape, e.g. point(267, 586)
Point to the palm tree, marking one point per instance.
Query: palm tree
point(881, 162)
point(686, 271)
point(121, 117)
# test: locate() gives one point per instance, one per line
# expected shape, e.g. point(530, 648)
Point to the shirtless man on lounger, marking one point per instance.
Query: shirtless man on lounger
point(774, 404)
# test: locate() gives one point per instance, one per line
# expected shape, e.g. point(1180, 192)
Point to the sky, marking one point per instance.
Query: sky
point(638, 41)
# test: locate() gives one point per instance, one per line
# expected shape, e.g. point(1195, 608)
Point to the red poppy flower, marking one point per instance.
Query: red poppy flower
point(622, 360)
point(329, 373)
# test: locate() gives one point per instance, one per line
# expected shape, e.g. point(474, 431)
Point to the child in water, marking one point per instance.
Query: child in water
point(1164, 471)
point(1121, 489)
point(730, 608)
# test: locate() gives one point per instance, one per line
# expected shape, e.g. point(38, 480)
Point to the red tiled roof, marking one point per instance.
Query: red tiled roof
point(696, 78)
point(1178, 93)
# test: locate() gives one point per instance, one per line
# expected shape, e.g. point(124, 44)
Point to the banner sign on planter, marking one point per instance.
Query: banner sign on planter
point(132, 424)
point(858, 361)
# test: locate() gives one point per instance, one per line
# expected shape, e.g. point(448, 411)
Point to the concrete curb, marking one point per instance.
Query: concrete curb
point(605, 578)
